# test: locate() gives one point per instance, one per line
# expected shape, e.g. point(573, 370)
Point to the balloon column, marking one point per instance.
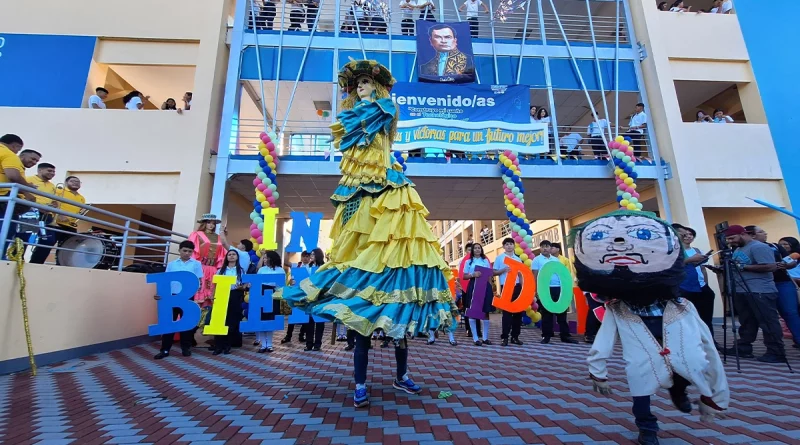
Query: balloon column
point(625, 172)
point(266, 186)
point(514, 200)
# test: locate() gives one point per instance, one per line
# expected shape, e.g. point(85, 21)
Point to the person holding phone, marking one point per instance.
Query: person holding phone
point(695, 286)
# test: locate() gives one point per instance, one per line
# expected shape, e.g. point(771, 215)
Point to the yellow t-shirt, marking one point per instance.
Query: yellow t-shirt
point(568, 264)
point(8, 159)
point(42, 186)
point(67, 207)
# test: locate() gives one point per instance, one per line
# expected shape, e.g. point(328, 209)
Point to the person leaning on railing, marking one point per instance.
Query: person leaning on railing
point(12, 170)
point(63, 223)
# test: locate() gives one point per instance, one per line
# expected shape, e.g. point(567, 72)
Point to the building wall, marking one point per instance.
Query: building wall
point(147, 157)
point(71, 308)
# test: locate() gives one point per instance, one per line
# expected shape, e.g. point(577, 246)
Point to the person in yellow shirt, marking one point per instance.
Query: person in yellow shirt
point(44, 174)
point(63, 223)
point(12, 170)
point(556, 251)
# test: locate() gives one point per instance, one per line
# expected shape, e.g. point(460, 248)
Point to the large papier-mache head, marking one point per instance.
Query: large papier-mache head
point(632, 256)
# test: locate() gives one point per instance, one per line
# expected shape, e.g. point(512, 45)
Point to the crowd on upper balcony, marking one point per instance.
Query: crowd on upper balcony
point(717, 7)
point(134, 100)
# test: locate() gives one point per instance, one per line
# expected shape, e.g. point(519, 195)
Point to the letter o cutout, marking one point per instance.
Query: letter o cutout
point(543, 284)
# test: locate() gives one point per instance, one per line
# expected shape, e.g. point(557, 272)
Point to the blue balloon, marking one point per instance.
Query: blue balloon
point(255, 203)
point(503, 171)
point(515, 178)
point(262, 163)
point(634, 175)
point(509, 214)
point(404, 167)
point(619, 198)
point(521, 188)
point(272, 177)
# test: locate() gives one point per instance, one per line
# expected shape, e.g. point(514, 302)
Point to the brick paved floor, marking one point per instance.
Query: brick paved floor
point(530, 394)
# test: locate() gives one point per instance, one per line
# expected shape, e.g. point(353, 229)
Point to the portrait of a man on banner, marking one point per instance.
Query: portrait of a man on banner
point(444, 52)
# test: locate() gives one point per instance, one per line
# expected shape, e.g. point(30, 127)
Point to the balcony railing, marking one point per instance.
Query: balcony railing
point(392, 20)
point(315, 141)
point(112, 243)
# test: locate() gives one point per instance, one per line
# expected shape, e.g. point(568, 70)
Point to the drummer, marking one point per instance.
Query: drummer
point(63, 222)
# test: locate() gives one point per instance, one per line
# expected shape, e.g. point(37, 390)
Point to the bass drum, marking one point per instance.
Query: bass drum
point(88, 253)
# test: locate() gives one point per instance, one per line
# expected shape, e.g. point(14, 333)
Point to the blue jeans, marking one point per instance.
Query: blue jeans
point(788, 307)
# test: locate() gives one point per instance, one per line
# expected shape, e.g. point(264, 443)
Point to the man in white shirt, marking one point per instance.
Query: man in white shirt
point(636, 127)
point(96, 100)
point(407, 24)
point(726, 7)
point(570, 143)
point(595, 132)
point(188, 264)
point(555, 293)
point(512, 323)
point(472, 7)
point(721, 118)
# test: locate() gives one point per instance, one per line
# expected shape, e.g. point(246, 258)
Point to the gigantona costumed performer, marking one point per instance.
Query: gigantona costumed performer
point(386, 270)
point(634, 261)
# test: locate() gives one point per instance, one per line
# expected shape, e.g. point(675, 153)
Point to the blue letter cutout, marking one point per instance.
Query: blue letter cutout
point(298, 316)
point(261, 302)
point(182, 299)
point(308, 231)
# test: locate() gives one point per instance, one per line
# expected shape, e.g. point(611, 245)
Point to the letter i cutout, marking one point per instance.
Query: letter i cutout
point(268, 233)
point(222, 295)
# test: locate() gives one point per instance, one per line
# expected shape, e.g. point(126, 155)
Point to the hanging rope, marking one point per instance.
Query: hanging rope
point(15, 253)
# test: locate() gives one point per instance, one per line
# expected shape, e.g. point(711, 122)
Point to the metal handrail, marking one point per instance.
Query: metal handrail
point(129, 238)
point(390, 22)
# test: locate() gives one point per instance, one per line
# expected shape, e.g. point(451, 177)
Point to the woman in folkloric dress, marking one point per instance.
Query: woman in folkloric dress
point(209, 251)
point(386, 270)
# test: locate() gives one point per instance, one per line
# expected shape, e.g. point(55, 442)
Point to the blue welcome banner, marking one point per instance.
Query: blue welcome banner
point(467, 118)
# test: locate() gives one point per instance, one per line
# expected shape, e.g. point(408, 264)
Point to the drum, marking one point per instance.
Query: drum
point(97, 252)
point(28, 222)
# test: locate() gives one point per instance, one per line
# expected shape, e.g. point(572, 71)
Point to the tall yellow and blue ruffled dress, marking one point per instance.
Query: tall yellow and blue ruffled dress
point(386, 269)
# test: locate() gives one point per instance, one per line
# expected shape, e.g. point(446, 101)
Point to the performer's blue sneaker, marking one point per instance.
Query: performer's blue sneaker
point(407, 385)
point(361, 399)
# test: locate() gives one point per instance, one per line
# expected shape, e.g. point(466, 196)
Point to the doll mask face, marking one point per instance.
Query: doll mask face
point(365, 87)
point(638, 243)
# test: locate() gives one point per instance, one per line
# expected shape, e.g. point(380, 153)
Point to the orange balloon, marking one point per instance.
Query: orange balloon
point(319, 113)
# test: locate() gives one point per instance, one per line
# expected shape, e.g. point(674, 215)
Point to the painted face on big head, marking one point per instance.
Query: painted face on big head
point(365, 87)
point(639, 243)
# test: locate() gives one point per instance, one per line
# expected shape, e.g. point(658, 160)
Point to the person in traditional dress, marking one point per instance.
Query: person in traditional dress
point(209, 251)
point(386, 269)
point(634, 261)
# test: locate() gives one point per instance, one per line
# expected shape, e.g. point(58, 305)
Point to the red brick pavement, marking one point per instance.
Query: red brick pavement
point(530, 394)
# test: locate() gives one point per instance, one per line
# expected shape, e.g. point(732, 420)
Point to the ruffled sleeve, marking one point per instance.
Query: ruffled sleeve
point(359, 126)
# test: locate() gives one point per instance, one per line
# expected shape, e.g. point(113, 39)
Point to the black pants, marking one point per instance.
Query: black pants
point(407, 27)
point(296, 19)
point(474, 26)
point(547, 317)
point(592, 323)
point(40, 254)
point(645, 420)
point(759, 311)
point(266, 18)
point(512, 322)
point(477, 325)
point(351, 338)
point(301, 335)
point(596, 142)
point(311, 16)
point(637, 142)
point(703, 301)
point(186, 336)
point(232, 320)
point(314, 333)
point(361, 358)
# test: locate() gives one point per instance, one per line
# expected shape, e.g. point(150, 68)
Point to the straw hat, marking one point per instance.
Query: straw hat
point(209, 217)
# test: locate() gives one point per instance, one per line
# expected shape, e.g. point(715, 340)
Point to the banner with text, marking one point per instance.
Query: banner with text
point(467, 118)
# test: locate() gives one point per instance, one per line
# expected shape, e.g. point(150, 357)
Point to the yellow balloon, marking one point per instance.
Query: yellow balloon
point(263, 151)
point(633, 186)
point(617, 171)
point(516, 212)
point(536, 317)
point(619, 138)
point(405, 156)
point(247, 298)
point(626, 142)
point(518, 250)
point(632, 206)
point(503, 159)
point(507, 163)
point(268, 157)
point(523, 256)
point(623, 175)
point(261, 198)
point(530, 312)
point(624, 203)
point(629, 181)
point(528, 262)
point(262, 145)
point(272, 166)
point(510, 207)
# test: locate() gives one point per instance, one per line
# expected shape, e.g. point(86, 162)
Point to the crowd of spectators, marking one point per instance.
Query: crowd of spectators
point(135, 100)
